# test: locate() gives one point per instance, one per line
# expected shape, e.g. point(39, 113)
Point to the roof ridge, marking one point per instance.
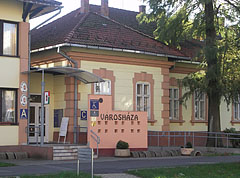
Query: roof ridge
point(115, 8)
point(71, 33)
point(134, 30)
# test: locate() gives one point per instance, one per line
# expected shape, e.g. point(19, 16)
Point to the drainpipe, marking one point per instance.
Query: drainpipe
point(75, 63)
point(29, 68)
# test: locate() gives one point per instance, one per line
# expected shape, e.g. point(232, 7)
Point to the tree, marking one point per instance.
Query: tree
point(179, 20)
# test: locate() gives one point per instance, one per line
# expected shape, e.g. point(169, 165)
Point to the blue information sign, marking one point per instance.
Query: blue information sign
point(94, 105)
point(84, 115)
point(23, 113)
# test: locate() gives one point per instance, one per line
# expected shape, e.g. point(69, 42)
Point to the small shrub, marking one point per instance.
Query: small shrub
point(122, 145)
point(188, 145)
point(235, 138)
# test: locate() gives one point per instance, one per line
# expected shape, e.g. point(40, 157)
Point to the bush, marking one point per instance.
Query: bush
point(188, 145)
point(235, 141)
point(122, 145)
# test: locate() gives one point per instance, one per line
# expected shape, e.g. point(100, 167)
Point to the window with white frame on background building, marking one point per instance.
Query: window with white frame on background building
point(236, 109)
point(143, 98)
point(8, 106)
point(174, 103)
point(8, 39)
point(103, 88)
point(199, 105)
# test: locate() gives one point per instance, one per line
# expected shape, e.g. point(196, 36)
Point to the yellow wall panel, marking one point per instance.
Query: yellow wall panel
point(187, 113)
point(124, 75)
point(8, 135)
point(11, 10)
point(9, 72)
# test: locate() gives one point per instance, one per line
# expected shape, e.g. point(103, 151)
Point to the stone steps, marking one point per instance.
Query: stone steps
point(66, 152)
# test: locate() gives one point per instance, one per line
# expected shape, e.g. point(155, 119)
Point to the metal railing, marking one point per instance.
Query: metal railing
point(96, 138)
point(180, 138)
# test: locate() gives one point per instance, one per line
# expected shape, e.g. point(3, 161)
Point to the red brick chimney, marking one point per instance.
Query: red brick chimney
point(104, 8)
point(142, 8)
point(84, 6)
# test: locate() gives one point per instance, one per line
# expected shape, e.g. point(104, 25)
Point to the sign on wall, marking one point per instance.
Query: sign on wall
point(23, 100)
point(23, 87)
point(83, 115)
point(47, 97)
point(94, 108)
point(94, 104)
point(23, 113)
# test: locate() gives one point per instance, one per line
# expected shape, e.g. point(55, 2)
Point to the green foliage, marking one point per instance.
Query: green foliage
point(188, 145)
point(6, 164)
point(230, 170)
point(204, 20)
point(234, 139)
point(61, 175)
point(122, 145)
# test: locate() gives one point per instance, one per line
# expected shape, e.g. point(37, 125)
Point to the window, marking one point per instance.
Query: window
point(143, 98)
point(199, 105)
point(103, 88)
point(58, 115)
point(8, 39)
point(236, 108)
point(8, 106)
point(174, 104)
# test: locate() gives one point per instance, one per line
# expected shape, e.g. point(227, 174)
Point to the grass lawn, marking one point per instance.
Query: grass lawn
point(229, 170)
point(6, 164)
point(62, 175)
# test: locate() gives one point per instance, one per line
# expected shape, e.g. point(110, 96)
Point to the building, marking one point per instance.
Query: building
point(14, 52)
point(140, 74)
point(136, 68)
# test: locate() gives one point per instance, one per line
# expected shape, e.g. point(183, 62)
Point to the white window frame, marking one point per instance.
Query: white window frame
point(173, 104)
point(236, 110)
point(10, 40)
point(143, 96)
point(101, 89)
point(199, 98)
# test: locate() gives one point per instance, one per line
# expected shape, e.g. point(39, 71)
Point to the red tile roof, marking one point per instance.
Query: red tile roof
point(96, 30)
point(120, 15)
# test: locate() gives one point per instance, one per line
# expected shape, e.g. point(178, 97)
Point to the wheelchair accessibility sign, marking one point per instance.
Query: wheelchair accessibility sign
point(94, 105)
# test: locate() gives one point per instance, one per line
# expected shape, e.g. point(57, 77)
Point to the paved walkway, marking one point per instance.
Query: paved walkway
point(107, 167)
point(122, 175)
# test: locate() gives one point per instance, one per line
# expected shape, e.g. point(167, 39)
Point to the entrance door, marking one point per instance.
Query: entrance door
point(35, 123)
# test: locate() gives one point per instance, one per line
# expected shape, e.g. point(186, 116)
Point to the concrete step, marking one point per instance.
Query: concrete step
point(66, 152)
point(65, 158)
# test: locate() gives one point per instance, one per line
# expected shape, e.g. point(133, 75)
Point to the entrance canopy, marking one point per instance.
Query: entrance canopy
point(82, 75)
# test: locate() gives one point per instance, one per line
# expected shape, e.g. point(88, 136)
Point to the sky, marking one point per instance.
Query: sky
point(70, 5)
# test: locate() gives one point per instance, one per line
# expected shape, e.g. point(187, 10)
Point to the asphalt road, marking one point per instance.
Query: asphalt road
point(108, 165)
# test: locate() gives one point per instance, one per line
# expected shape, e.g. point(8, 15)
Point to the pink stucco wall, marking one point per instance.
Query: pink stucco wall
point(112, 126)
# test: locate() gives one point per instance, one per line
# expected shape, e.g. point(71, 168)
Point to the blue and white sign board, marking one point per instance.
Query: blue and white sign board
point(83, 115)
point(94, 113)
point(23, 113)
point(94, 105)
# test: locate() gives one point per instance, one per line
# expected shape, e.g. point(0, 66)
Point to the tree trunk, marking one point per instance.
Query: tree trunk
point(212, 74)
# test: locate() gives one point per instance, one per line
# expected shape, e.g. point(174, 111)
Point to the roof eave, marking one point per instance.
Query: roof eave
point(111, 49)
point(35, 9)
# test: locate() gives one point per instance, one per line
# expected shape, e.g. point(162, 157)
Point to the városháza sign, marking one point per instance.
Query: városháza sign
point(122, 117)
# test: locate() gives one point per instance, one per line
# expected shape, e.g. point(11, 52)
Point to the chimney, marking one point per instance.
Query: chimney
point(104, 8)
point(84, 6)
point(142, 9)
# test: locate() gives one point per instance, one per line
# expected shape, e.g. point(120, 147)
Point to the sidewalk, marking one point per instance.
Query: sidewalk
point(107, 167)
